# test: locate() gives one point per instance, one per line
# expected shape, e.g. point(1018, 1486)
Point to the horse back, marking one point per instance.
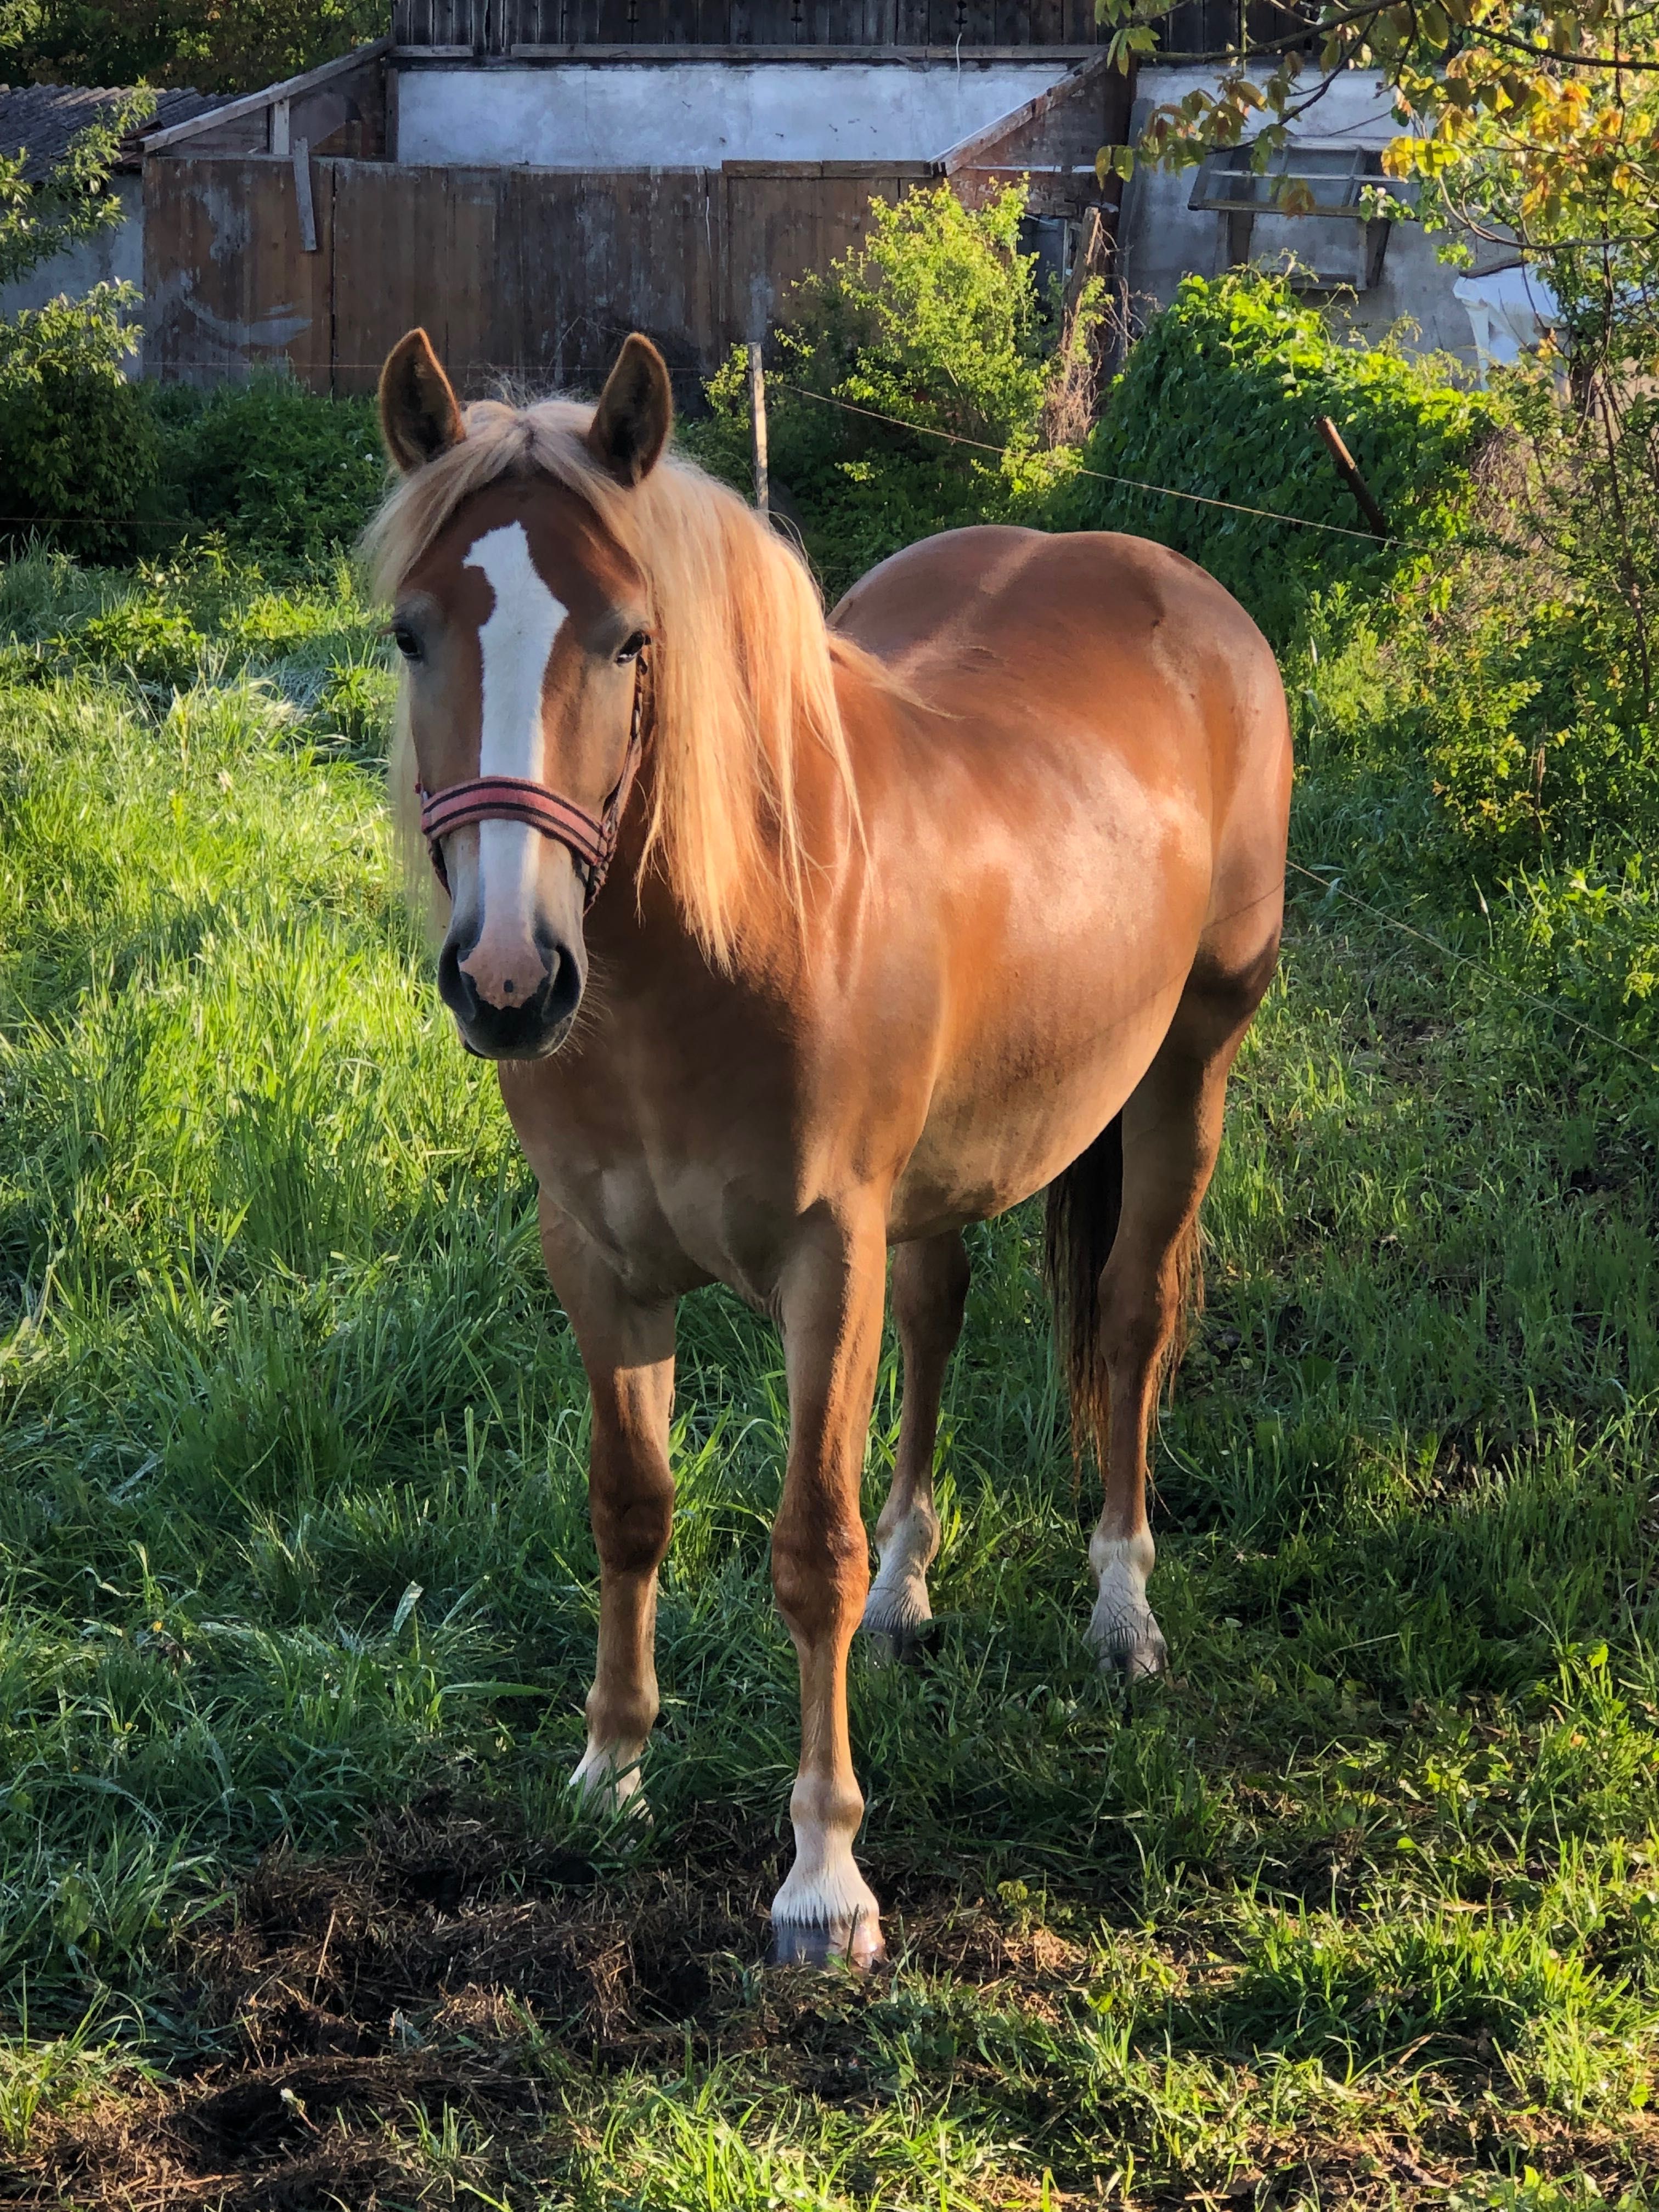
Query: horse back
point(1090, 680)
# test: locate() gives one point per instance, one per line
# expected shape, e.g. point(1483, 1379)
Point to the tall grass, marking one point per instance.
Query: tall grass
point(292, 1526)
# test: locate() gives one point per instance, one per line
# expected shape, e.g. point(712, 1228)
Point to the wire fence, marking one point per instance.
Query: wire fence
point(894, 422)
point(1332, 887)
point(1328, 883)
point(1101, 475)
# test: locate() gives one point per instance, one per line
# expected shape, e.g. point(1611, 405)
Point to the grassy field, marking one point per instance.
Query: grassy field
point(1361, 1907)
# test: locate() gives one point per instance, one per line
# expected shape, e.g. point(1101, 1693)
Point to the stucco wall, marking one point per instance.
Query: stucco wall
point(698, 114)
point(1163, 240)
point(115, 256)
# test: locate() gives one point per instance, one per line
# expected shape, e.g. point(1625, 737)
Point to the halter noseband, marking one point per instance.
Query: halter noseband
point(592, 839)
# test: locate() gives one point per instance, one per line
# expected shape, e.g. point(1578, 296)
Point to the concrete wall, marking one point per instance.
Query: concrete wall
point(698, 114)
point(115, 256)
point(1163, 240)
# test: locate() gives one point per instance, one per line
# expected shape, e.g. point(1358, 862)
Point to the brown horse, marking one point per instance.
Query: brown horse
point(971, 889)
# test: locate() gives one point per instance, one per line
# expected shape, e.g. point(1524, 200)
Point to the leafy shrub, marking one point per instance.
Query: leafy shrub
point(222, 45)
point(78, 449)
point(1509, 668)
point(1555, 624)
point(935, 318)
point(145, 637)
point(284, 475)
point(1219, 398)
point(1590, 937)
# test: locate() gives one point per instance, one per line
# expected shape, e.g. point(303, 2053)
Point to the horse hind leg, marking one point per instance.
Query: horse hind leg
point(930, 1293)
point(1123, 1338)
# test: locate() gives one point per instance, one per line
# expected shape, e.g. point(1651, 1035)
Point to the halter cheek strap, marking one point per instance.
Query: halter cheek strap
point(592, 839)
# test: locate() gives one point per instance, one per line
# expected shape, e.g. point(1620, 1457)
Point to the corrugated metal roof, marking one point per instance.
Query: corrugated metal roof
point(40, 120)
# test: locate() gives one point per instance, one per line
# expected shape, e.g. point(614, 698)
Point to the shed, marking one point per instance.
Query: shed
point(533, 179)
point(38, 121)
point(1383, 277)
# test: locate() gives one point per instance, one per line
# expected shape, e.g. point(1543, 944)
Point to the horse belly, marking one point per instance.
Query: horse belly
point(1008, 1117)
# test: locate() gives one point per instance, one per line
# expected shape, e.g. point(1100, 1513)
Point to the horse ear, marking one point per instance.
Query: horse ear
point(419, 416)
point(634, 414)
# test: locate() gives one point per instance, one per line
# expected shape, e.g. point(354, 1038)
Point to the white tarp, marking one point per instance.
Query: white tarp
point(1511, 311)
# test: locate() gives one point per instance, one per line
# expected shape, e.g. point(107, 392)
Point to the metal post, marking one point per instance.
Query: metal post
point(758, 421)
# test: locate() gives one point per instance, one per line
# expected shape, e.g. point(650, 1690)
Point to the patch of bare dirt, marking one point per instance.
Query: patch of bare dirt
point(422, 1981)
point(349, 1995)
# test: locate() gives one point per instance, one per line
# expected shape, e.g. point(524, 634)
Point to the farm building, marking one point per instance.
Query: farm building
point(38, 121)
point(1387, 276)
point(531, 179)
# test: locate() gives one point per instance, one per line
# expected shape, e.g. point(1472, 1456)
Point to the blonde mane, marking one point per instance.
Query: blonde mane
point(742, 666)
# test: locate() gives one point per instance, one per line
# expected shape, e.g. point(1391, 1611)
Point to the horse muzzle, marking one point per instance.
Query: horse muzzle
point(515, 1005)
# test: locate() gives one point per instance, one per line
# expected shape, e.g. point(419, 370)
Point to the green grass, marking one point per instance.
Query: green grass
point(299, 1596)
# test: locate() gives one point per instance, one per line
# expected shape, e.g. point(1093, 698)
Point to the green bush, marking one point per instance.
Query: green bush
point(144, 638)
point(1218, 397)
point(1510, 670)
point(936, 319)
point(78, 448)
point(222, 45)
point(282, 475)
point(1540, 710)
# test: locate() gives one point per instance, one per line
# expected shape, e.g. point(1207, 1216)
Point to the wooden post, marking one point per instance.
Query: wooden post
point(302, 196)
point(758, 422)
point(1351, 475)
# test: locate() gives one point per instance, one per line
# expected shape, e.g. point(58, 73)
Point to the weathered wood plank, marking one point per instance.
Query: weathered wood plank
point(504, 26)
point(227, 287)
point(409, 250)
point(533, 275)
point(588, 257)
point(783, 221)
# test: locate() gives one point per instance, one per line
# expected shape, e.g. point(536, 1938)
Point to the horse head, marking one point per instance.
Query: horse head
point(523, 623)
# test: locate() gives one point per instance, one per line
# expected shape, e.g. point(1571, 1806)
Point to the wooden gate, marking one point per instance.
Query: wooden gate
point(531, 276)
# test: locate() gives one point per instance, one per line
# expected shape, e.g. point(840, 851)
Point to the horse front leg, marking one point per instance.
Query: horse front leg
point(830, 1306)
point(627, 1350)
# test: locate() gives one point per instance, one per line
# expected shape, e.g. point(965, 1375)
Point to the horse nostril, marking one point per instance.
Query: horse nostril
point(455, 985)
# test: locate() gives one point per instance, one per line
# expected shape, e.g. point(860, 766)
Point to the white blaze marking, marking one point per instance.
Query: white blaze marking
point(515, 643)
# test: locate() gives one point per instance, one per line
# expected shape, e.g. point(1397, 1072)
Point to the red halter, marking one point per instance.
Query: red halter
point(590, 838)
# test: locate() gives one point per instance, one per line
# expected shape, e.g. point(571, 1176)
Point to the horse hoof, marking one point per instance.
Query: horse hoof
point(1138, 1658)
point(900, 1643)
point(855, 1943)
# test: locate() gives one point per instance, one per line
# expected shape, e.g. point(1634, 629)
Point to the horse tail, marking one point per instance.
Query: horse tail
point(1083, 1203)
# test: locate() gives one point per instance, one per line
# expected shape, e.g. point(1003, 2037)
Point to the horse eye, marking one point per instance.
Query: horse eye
point(635, 646)
point(405, 640)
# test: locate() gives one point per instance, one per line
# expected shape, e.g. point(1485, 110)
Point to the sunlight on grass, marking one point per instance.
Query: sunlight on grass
point(291, 1447)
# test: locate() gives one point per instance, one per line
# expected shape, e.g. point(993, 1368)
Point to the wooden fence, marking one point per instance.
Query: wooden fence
point(532, 274)
point(508, 27)
point(519, 29)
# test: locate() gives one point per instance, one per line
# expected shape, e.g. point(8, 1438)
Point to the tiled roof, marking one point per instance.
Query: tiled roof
point(40, 120)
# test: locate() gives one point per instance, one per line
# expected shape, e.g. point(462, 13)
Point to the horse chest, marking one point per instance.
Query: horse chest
point(667, 1215)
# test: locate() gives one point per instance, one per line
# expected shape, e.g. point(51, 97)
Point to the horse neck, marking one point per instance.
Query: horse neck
point(776, 937)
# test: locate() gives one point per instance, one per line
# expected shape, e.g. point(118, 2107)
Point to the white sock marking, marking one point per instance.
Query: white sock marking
point(824, 1888)
point(1122, 1624)
point(609, 1776)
